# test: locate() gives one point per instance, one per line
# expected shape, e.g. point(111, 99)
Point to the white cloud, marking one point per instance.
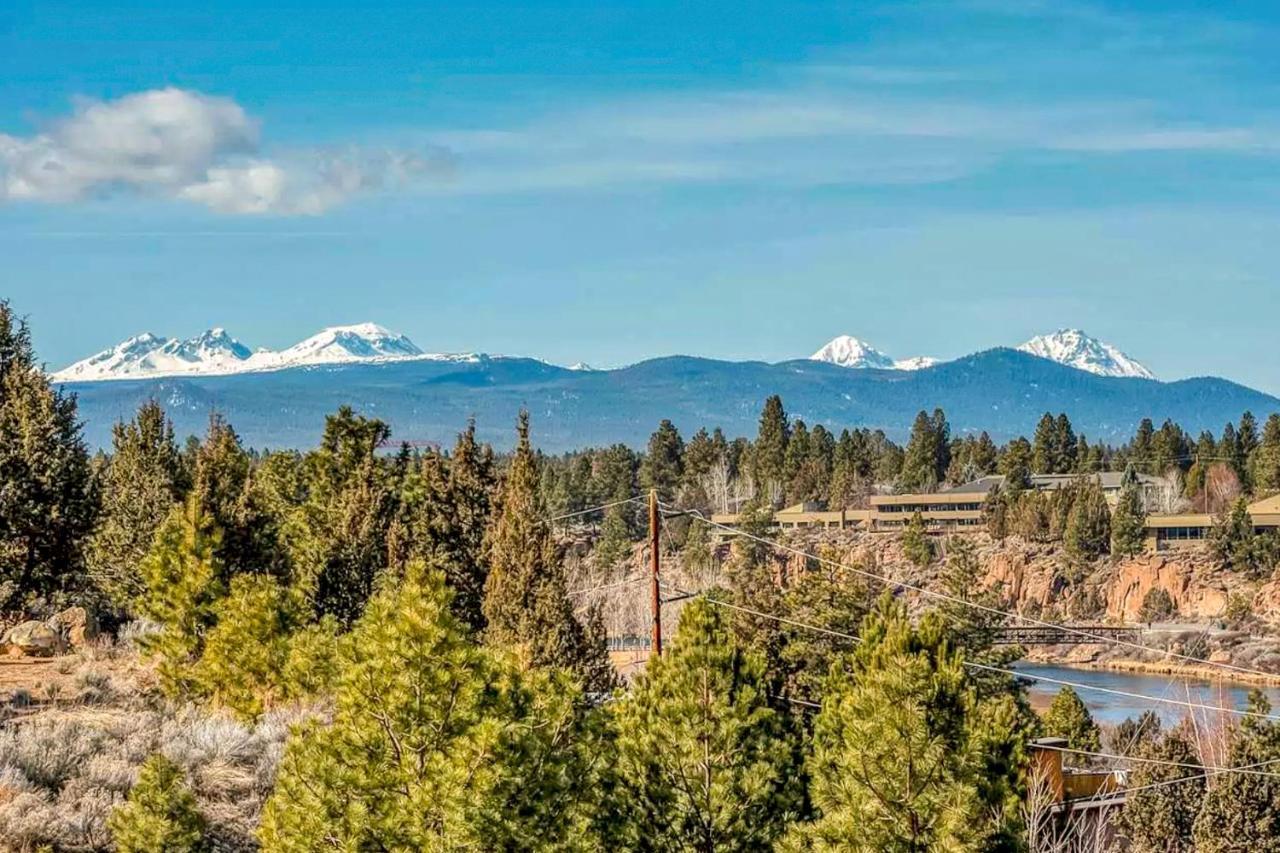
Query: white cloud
point(186, 145)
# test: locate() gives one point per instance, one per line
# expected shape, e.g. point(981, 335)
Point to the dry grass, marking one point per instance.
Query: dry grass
point(74, 751)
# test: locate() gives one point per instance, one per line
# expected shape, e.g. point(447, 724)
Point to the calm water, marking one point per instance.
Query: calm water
point(1109, 708)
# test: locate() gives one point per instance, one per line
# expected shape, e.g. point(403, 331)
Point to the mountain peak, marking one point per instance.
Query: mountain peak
point(848, 351)
point(1075, 348)
point(215, 352)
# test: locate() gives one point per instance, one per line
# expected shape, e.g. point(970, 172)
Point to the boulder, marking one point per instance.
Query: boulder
point(76, 625)
point(34, 639)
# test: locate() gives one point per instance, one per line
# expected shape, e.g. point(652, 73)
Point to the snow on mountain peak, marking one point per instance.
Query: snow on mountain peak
point(1074, 348)
point(215, 352)
point(848, 351)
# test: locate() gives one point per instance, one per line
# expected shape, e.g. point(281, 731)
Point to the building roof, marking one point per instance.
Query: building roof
point(1108, 480)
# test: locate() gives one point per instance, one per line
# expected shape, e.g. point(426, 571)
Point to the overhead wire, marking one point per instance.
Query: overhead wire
point(1080, 632)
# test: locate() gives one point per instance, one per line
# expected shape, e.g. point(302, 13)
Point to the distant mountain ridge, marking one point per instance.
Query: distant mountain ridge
point(215, 353)
point(1002, 391)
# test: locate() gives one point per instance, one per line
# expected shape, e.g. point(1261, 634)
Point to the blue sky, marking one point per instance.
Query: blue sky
point(603, 182)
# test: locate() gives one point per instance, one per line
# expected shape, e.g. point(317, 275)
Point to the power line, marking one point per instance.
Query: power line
point(988, 668)
point(1101, 638)
point(594, 509)
point(1249, 771)
point(602, 587)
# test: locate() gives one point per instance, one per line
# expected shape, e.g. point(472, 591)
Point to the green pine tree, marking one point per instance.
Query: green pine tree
point(160, 815)
point(905, 756)
point(181, 587)
point(436, 743)
point(770, 450)
point(703, 762)
point(663, 464)
point(1067, 717)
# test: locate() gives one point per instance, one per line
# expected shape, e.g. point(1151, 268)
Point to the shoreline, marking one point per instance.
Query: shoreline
point(1206, 672)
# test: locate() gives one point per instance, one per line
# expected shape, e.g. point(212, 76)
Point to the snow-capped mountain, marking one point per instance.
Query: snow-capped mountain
point(147, 355)
point(848, 351)
point(215, 353)
point(1074, 348)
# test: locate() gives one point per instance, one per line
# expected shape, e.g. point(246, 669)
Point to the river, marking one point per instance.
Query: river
point(1112, 709)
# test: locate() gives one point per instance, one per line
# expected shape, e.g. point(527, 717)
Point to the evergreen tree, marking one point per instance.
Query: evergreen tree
point(1157, 606)
point(905, 757)
point(1140, 449)
point(48, 499)
point(142, 483)
point(1044, 446)
point(1068, 718)
point(770, 451)
point(825, 595)
point(703, 762)
point(348, 515)
point(916, 546)
point(160, 815)
point(1239, 547)
point(1266, 460)
point(1088, 529)
point(928, 453)
point(525, 601)
point(1242, 811)
point(436, 743)
point(663, 465)
point(1163, 818)
point(1129, 522)
point(181, 586)
point(1066, 447)
point(243, 660)
point(1247, 443)
point(1015, 465)
point(444, 511)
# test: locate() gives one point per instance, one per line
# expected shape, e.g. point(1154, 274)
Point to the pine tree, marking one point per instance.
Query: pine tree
point(1088, 530)
point(770, 451)
point(830, 596)
point(663, 465)
point(703, 762)
point(1129, 522)
point(436, 743)
point(245, 651)
point(1247, 444)
point(1044, 450)
point(141, 485)
point(904, 755)
point(928, 453)
point(1068, 718)
point(160, 815)
point(48, 499)
point(1163, 818)
point(1266, 460)
point(1015, 465)
point(181, 586)
point(525, 602)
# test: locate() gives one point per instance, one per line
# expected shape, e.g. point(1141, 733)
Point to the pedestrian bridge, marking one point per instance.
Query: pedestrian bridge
point(1058, 635)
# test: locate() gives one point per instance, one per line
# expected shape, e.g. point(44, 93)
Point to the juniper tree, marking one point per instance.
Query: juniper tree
point(436, 743)
point(1241, 811)
point(1088, 530)
point(703, 762)
point(1161, 817)
point(142, 483)
point(48, 499)
point(160, 813)
point(915, 541)
point(525, 601)
point(1128, 522)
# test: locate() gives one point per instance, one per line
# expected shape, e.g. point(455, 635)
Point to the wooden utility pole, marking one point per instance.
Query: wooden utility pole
point(654, 567)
